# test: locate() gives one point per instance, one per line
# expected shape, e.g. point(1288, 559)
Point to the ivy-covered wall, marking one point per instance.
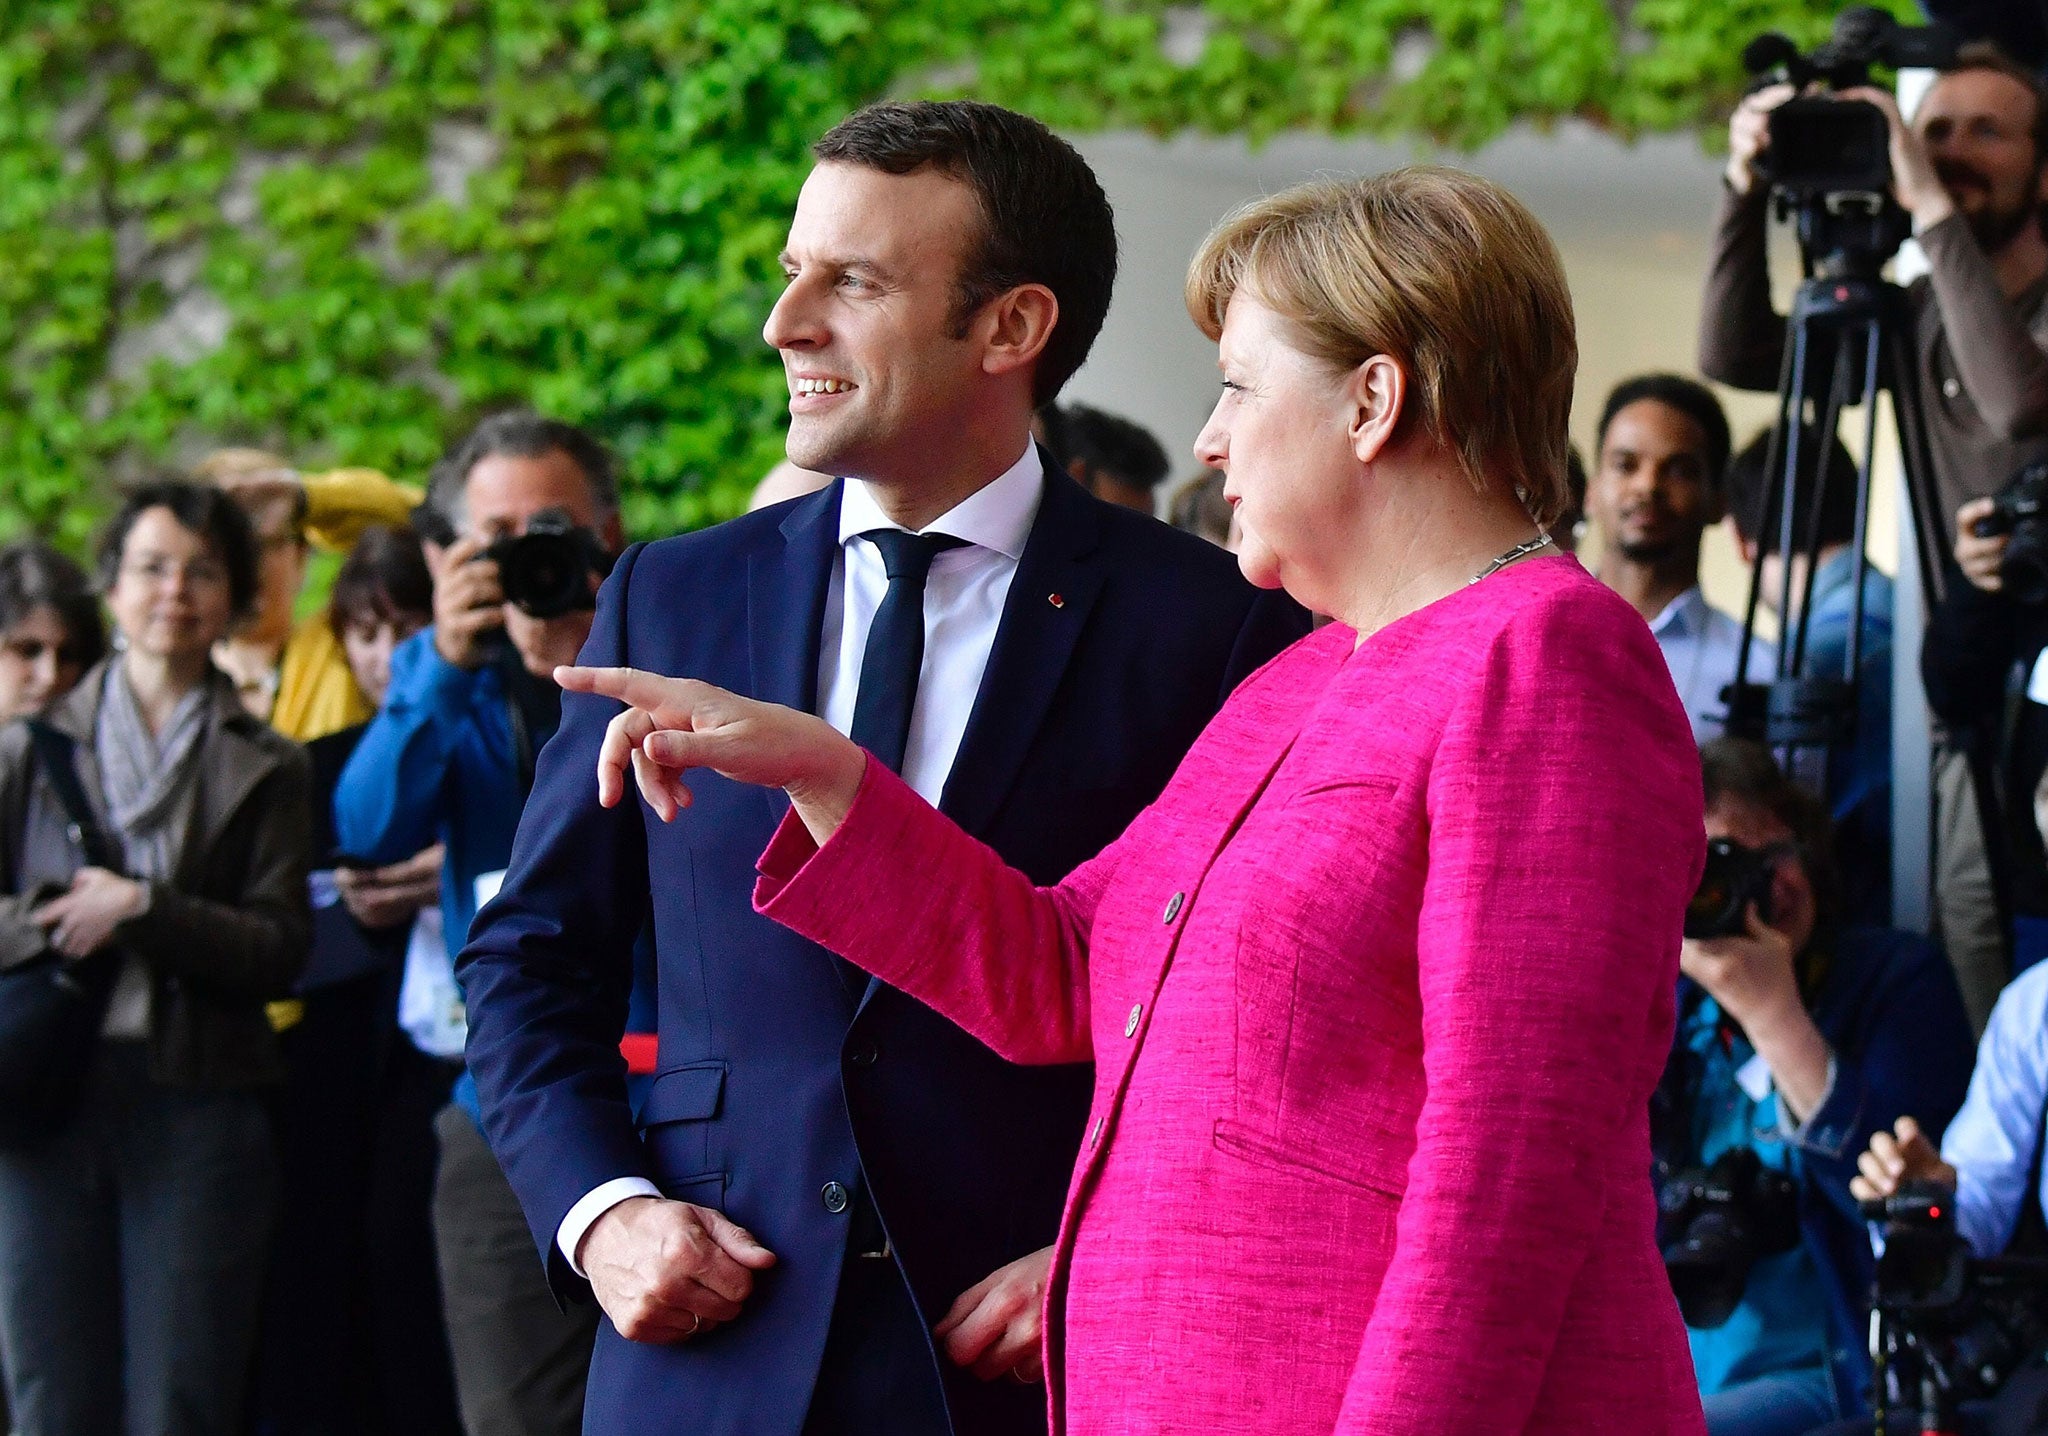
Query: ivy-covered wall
point(343, 228)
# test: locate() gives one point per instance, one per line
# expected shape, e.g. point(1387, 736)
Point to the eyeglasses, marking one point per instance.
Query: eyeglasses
point(199, 572)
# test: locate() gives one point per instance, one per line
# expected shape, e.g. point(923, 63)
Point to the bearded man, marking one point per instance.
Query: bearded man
point(1972, 170)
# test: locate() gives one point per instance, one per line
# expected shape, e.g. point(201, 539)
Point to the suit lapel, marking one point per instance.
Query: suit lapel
point(1058, 580)
point(786, 590)
point(786, 602)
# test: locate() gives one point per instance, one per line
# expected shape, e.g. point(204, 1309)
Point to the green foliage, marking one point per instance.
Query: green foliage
point(344, 228)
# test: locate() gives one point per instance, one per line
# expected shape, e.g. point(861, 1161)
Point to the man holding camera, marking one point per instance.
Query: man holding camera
point(1972, 171)
point(1990, 1159)
point(1798, 1036)
point(528, 510)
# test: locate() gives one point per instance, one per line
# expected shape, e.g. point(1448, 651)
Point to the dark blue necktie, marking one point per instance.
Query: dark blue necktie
point(894, 654)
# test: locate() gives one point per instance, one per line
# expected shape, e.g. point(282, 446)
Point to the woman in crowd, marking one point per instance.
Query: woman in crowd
point(1378, 990)
point(352, 1334)
point(132, 1241)
point(1800, 1035)
point(50, 629)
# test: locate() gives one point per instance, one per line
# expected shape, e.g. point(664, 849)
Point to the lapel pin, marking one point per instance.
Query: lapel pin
point(1056, 601)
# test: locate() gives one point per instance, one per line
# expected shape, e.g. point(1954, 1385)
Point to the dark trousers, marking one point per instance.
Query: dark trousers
point(131, 1259)
point(353, 1340)
point(520, 1361)
point(877, 1377)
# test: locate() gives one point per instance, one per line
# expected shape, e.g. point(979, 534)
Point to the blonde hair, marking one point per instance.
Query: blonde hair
point(1444, 272)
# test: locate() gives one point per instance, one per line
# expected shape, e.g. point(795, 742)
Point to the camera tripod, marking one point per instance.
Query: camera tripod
point(1848, 332)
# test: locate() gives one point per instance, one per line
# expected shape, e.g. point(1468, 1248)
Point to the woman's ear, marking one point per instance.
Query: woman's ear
point(1377, 390)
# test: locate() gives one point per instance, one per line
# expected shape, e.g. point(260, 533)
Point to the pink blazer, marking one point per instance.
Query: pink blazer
point(1377, 992)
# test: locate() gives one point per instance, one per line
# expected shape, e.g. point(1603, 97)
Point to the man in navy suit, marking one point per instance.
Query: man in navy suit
point(824, 1170)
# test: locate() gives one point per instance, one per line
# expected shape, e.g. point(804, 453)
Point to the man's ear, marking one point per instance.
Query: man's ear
point(1016, 327)
point(612, 533)
point(1378, 392)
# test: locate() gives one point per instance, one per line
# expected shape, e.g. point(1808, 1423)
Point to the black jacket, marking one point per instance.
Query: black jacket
point(230, 931)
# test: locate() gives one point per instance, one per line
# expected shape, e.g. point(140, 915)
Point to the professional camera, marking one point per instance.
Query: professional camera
point(1829, 159)
point(1735, 877)
point(546, 571)
point(2022, 511)
point(1967, 1323)
point(1713, 1225)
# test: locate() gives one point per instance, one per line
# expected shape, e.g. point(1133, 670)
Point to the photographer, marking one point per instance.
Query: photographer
point(1798, 1036)
point(1991, 1158)
point(1983, 642)
point(450, 759)
point(1972, 170)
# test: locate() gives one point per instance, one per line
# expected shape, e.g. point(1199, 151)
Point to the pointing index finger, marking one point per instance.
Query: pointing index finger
point(634, 687)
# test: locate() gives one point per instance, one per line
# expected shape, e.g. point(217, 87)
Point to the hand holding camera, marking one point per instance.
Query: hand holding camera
point(1915, 183)
point(1752, 975)
point(469, 604)
point(1896, 1159)
point(1981, 543)
point(1749, 133)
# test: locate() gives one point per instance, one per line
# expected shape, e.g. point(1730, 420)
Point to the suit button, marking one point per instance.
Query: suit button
point(1131, 1022)
point(1173, 907)
point(1950, 387)
point(864, 1055)
point(835, 1198)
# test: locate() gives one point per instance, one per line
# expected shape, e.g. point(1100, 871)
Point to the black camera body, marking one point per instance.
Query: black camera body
point(1976, 1321)
point(1715, 1223)
point(1829, 159)
point(1734, 878)
point(2021, 510)
point(546, 571)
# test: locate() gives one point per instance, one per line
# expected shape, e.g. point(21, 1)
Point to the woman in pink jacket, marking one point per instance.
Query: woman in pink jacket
point(1377, 991)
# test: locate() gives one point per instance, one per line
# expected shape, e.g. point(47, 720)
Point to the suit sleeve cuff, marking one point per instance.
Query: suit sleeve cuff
point(595, 1204)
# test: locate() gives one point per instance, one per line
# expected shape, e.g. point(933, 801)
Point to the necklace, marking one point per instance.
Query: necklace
point(1520, 550)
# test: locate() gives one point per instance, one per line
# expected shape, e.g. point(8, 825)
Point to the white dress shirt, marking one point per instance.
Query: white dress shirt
point(1991, 1141)
point(963, 608)
point(1700, 645)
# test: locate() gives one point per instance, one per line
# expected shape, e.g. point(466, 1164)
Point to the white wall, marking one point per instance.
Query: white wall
point(1631, 221)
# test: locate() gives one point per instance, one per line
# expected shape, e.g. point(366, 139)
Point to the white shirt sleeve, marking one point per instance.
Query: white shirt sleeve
point(1991, 1141)
point(599, 1200)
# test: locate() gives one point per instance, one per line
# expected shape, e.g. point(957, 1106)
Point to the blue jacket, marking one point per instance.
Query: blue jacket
point(1890, 1011)
point(440, 763)
point(776, 1076)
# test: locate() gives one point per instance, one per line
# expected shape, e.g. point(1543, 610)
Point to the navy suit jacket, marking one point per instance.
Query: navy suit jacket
point(775, 1078)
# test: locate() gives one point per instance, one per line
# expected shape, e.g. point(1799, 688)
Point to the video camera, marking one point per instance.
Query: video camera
point(1950, 1327)
point(1829, 159)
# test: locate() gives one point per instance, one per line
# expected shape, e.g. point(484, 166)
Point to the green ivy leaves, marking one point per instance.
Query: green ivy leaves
point(345, 228)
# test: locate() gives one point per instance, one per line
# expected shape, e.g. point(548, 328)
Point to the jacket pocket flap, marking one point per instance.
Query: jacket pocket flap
point(684, 1094)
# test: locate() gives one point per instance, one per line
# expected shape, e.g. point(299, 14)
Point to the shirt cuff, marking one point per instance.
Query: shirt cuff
point(1801, 1131)
point(583, 1216)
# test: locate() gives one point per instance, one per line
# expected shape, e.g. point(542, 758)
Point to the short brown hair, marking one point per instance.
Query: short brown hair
point(1741, 770)
point(1444, 272)
point(1983, 55)
point(1044, 217)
